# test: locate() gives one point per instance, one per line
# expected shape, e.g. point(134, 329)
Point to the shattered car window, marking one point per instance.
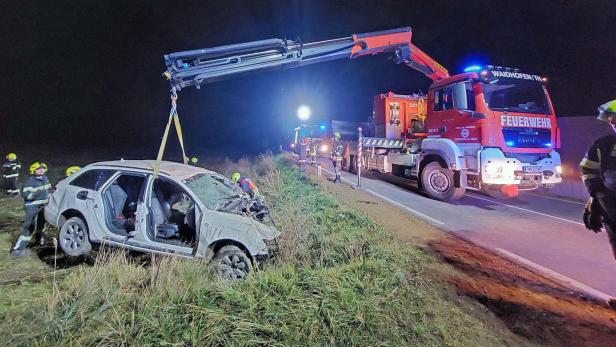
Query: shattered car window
point(214, 191)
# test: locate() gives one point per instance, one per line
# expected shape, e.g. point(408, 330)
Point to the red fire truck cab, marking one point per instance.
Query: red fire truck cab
point(490, 128)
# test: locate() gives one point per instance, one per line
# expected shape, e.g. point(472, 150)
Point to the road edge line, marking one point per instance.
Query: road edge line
point(556, 276)
point(529, 265)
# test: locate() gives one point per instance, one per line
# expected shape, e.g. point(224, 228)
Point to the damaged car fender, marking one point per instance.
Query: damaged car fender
point(221, 227)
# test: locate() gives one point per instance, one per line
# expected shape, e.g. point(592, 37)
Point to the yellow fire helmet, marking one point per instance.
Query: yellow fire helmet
point(71, 170)
point(235, 177)
point(337, 135)
point(36, 166)
point(194, 160)
point(606, 110)
point(11, 156)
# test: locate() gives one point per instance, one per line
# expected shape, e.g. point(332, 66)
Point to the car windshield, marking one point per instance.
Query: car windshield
point(506, 94)
point(213, 190)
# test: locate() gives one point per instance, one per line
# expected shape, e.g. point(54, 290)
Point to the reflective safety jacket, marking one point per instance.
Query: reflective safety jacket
point(247, 185)
point(337, 149)
point(599, 166)
point(313, 149)
point(10, 169)
point(36, 190)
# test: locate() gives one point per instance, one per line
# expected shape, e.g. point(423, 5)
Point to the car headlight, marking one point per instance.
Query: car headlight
point(558, 169)
point(324, 148)
point(493, 169)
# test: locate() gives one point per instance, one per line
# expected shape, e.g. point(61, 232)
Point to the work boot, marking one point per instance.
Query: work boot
point(24, 252)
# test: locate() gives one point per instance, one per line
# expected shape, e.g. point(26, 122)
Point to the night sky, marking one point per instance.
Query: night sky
point(88, 73)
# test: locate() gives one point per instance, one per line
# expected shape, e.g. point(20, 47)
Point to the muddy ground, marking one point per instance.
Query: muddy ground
point(531, 306)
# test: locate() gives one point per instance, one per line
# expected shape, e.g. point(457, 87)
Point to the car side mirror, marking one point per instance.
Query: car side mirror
point(82, 195)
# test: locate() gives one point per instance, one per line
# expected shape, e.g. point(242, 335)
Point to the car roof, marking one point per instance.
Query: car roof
point(168, 168)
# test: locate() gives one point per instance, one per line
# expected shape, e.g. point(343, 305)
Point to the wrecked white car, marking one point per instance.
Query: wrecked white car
point(187, 211)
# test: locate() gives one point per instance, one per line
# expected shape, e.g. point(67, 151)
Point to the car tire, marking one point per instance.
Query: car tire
point(438, 183)
point(232, 263)
point(73, 238)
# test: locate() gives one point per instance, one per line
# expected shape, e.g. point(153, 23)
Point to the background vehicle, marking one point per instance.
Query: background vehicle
point(187, 211)
point(489, 126)
point(493, 128)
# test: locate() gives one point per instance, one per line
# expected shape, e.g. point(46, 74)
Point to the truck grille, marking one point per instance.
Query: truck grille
point(527, 137)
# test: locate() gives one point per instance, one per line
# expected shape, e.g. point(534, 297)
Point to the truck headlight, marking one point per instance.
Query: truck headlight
point(324, 148)
point(558, 169)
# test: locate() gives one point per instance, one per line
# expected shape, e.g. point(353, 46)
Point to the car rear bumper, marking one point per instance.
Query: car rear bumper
point(51, 216)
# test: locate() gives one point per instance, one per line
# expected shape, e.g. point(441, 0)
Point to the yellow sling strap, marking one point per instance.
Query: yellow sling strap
point(173, 115)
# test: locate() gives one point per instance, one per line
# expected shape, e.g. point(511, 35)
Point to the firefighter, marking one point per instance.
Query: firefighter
point(599, 175)
point(303, 150)
point(313, 153)
point(336, 155)
point(35, 192)
point(245, 183)
point(10, 174)
point(71, 170)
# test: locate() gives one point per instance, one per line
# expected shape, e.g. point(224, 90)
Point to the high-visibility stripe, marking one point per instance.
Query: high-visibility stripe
point(36, 189)
point(36, 202)
point(589, 176)
point(590, 164)
point(11, 175)
point(21, 239)
point(12, 191)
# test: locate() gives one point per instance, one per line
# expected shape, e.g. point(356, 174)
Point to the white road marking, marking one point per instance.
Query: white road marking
point(333, 174)
point(555, 276)
point(397, 204)
point(524, 209)
point(555, 198)
point(406, 208)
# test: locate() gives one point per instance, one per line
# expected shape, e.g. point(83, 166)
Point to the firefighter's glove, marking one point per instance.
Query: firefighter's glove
point(592, 215)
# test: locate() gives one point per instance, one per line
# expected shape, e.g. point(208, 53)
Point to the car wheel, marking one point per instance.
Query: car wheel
point(73, 238)
point(232, 263)
point(438, 183)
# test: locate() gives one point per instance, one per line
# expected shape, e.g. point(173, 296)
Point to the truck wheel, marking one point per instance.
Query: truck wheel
point(73, 238)
point(438, 183)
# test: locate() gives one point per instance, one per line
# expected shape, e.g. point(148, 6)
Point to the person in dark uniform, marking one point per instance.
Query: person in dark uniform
point(10, 174)
point(599, 175)
point(336, 155)
point(35, 192)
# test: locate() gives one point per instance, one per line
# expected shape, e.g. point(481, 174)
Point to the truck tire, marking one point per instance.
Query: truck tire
point(348, 164)
point(438, 183)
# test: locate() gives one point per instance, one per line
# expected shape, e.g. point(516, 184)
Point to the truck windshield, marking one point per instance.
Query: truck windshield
point(506, 94)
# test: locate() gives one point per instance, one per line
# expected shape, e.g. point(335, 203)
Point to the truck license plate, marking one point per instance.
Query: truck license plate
point(532, 169)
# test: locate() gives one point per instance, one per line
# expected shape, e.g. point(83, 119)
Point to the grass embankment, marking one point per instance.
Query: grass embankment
point(339, 279)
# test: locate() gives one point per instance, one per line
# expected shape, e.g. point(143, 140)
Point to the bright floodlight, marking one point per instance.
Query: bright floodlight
point(303, 112)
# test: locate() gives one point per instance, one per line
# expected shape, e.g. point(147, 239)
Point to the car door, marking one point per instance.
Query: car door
point(149, 223)
point(83, 193)
point(118, 211)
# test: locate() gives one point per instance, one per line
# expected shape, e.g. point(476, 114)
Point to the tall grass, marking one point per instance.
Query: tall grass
point(339, 280)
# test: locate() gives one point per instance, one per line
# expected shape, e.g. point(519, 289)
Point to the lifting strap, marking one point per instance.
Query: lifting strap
point(173, 116)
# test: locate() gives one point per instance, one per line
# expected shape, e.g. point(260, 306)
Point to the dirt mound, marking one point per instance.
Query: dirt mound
point(531, 305)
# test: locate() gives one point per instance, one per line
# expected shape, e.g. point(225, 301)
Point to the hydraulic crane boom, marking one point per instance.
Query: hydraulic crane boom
point(197, 67)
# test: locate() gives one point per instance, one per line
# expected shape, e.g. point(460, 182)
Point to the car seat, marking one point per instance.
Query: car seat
point(161, 211)
point(117, 200)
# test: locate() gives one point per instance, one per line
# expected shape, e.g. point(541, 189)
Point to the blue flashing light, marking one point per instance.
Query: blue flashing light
point(322, 127)
point(548, 144)
point(510, 143)
point(473, 68)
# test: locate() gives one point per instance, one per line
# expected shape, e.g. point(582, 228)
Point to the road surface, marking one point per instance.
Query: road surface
point(542, 233)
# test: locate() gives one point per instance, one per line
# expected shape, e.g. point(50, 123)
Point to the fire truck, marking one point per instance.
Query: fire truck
point(490, 128)
point(487, 127)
